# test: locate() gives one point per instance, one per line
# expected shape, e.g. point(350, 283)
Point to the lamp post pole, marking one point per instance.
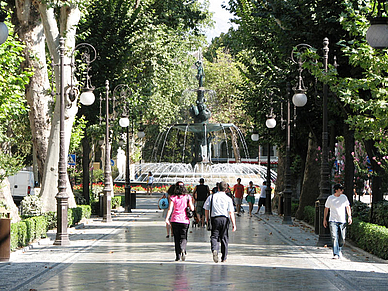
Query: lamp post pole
point(287, 193)
point(107, 205)
point(268, 206)
point(62, 237)
point(86, 98)
point(128, 198)
point(324, 234)
point(270, 123)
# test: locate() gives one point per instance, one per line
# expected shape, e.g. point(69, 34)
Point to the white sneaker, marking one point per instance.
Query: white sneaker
point(215, 256)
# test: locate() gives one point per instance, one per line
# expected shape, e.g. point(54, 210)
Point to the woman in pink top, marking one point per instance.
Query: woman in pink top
point(179, 220)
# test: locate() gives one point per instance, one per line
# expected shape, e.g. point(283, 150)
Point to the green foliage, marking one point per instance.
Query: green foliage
point(75, 215)
point(77, 134)
point(31, 205)
point(370, 237)
point(294, 207)
point(309, 214)
point(15, 134)
point(27, 230)
point(118, 201)
point(361, 211)
point(51, 218)
point(380, 213)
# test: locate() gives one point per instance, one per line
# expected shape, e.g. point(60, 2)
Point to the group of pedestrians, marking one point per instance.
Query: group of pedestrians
point(216, 209)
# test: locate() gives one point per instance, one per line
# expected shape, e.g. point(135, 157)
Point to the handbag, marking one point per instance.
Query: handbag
point(189, 213)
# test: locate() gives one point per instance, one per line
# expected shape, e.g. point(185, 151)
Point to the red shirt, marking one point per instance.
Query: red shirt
point(238, 190)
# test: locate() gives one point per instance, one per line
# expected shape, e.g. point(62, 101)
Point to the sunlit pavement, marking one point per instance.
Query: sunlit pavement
point(132, 253)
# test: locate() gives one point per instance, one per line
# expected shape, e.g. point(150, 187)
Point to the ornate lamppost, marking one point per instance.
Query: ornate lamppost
point(86, 98)
point(3, 27)
point(124, 93)
point(270, 123)
point(324, 234)
point(107, 198)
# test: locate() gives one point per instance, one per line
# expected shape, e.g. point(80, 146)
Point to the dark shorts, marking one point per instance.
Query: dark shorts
point(261, 202)
point(199, 208)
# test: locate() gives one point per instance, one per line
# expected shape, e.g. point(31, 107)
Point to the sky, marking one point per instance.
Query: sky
point(221, 17)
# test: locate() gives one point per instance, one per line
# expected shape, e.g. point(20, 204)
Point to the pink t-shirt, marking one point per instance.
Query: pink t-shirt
point(179, 212)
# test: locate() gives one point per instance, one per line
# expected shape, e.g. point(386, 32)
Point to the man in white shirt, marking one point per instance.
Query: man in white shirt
point(220, 205)
point(339, 206)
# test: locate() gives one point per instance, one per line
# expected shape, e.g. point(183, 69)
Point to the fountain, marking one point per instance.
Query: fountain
point(214, 153)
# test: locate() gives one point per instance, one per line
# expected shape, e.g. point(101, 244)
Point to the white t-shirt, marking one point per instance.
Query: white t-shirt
point(337, 207)
point(222, 204)
point(263, 192)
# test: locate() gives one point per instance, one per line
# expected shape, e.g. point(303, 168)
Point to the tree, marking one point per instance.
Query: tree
point(14, 147)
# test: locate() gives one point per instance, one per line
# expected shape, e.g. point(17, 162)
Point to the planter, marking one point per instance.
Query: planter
point(5, 237)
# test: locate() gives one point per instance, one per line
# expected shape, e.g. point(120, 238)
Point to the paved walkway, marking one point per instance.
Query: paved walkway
point(132, 253)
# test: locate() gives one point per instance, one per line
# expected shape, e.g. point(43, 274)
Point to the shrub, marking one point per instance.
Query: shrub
point(79, 197)
point(31, 234)
point(361, 211)
point(118, 201)
point(31, 205)
point(309, 214)
point(41, 226)
point(51, 218)
point(86, 211)
point(380, 213)
point(294, 207)
point(370, 237)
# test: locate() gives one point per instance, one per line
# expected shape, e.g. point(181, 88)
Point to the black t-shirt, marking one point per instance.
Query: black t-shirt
point(202, 192)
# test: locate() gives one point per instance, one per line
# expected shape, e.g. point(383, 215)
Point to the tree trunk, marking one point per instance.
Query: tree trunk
point(30, 31)
point(6, 197)
point(85, 167)
point(68, 19)
point(349, 162)
point(311, 178)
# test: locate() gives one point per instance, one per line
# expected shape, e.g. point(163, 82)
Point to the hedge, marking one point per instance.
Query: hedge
point(370, 237)
point(25, 231)
point(118, 201)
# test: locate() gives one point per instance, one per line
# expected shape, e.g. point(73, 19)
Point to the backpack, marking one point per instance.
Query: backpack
point(163, 203)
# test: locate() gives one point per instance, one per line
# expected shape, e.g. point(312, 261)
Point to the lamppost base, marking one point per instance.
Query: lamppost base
point(324, 240)
point(61, 240)
point(287, 220)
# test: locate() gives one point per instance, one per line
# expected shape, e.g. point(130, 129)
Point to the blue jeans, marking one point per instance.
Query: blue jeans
point(337, 231)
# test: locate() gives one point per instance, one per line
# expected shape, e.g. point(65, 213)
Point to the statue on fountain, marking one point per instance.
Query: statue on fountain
point(200, 112)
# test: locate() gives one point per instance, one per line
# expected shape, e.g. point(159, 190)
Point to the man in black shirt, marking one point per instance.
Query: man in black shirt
point(201, 192)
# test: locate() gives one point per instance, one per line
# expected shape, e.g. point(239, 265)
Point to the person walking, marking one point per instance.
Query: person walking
point(263, 195)
point(238, 192)
point(200, 194)
point(339, 206)
point(150, 182)
point(179, 221)
point(251, 191)
point(219, 211)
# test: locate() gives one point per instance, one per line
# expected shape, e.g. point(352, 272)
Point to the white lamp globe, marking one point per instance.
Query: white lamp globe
point(141, 134)
point(377, 34)
point(299, 99)
point(87, 98)
point(3, 32)
point(124, 122)
point(271, 122)
point(255, 136)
